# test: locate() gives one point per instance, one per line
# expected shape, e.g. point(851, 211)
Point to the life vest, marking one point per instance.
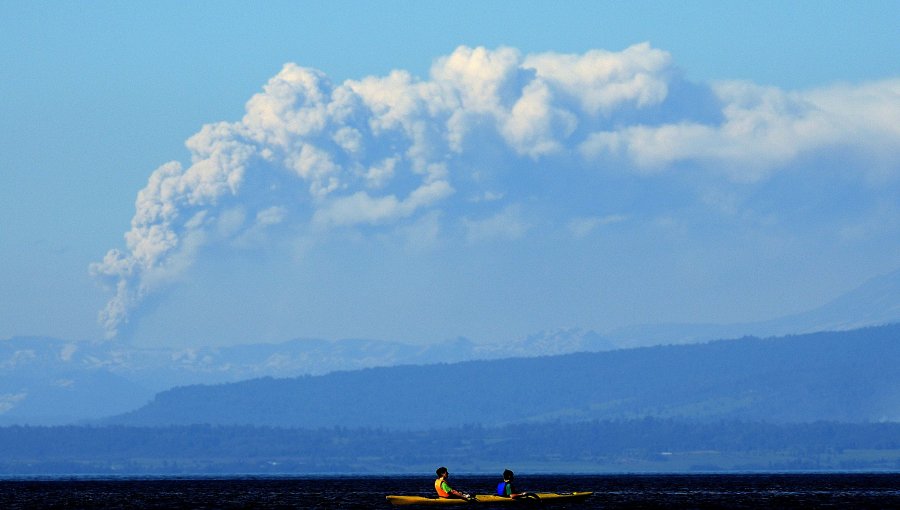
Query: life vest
point(438, 486)
point(501, 488)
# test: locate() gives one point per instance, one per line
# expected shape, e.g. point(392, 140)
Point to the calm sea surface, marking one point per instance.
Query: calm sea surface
point(610, 491)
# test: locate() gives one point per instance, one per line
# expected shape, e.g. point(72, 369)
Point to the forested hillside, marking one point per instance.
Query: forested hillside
point(47, 381)
point(845, 376)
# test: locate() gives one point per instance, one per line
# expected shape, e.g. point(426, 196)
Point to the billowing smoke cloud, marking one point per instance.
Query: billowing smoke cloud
point(381, 150)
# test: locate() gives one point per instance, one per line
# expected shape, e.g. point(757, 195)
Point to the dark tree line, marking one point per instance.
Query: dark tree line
point(245, 448)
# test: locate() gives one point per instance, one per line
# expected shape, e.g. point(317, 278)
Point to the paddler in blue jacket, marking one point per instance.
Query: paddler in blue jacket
point(506, 489)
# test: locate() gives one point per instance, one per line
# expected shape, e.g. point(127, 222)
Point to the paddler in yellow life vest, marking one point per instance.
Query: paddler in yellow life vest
point(443, 488)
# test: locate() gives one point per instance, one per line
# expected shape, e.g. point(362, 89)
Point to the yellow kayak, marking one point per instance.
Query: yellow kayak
point(542, 497)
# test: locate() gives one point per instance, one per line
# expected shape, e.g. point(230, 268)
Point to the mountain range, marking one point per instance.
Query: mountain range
point(49, 381)
point(877, 301)
point(53, 381)
point(848, 376)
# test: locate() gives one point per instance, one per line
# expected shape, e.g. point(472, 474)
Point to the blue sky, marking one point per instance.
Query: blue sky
point(527, 166)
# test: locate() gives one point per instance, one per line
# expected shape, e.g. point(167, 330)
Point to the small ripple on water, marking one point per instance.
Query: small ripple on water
point(611, 491)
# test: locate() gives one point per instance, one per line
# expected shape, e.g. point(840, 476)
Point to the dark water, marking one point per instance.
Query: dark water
point(610, 491)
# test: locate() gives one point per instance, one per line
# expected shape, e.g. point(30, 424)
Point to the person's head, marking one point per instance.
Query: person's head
point(508, 475)
point(441, 472)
